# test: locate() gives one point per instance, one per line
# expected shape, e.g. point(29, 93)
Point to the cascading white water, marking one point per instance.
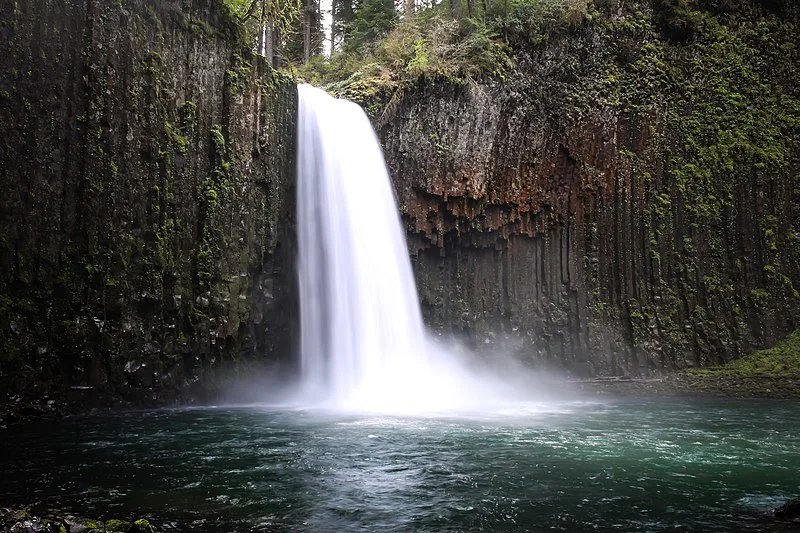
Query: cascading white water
point(363, 343)
point(360, 318)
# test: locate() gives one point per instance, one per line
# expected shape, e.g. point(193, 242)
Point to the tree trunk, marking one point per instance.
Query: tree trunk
point(334, 20)
point(277, 58)
point(454, 5)
point(269, 44)
point(345, 18)
point(308, 20)
point(505, 19)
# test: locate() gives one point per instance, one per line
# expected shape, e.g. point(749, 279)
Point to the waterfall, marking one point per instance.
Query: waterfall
point(363, 344)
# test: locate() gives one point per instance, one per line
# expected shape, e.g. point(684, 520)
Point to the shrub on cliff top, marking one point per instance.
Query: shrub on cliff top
point(430, 46)
point(437, 43)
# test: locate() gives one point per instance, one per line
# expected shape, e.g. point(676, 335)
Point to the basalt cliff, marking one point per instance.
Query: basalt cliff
point(626, 202)
point(145, 221)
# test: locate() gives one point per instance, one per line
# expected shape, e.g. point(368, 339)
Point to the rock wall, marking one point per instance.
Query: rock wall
point(146, 234)
point(626, 202)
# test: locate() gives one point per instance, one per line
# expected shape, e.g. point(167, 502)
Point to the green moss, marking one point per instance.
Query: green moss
point(117, 526)
point(202, 27)
point(722, 123)
point(217, 137)
point(236, 8)
point(153, 62)
point(781, 361)
point(164, 234)
point(214, 193)
point(141, 526)
point(176, 139)
point(237, 78)
point(113, 170)
point(18, 515)
point(188, 115)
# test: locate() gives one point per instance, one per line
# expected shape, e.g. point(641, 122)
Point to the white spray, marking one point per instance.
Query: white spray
point(363, 343)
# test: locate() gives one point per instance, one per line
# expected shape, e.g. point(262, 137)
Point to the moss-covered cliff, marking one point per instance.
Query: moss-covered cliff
point(145, 214)
point(626, 201)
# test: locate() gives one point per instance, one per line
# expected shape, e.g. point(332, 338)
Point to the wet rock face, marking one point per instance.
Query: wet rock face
point(593, 212)
point(22, 521)
point(789, 510)
point(146, 218)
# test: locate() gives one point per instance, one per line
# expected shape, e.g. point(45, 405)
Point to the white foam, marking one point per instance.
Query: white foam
point(363, 344)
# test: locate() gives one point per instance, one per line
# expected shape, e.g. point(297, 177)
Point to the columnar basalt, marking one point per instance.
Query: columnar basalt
point(625, 203)
point(146, 218)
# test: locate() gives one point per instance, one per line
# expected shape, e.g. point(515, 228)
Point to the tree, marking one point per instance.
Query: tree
point(305, 38)
point(342, 14)
point(269, 19)
point(372, 20)
point(310, 11)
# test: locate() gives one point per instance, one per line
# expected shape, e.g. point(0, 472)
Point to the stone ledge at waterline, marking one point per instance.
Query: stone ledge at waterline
point(771, 373)
point(785, 517)
point(687, 385)
point(23, 521)
point(146, 217)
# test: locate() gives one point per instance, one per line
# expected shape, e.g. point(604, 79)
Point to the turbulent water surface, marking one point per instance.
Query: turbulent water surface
point(569, 466)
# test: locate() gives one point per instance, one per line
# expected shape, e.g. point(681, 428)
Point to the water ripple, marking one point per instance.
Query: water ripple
point(629, 466)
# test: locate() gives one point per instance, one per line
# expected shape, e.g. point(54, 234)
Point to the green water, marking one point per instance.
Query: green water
point(571, 466)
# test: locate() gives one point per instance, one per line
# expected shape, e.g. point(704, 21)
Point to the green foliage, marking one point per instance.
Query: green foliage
point(440, 47)
point(372, 21)
point(435, 44)
point(432, 46)
point(419, 61)
point(537, 20)
point(280, 13)
point(339, 72)
point(676, 18)
point(253, 15)
point(238, 7)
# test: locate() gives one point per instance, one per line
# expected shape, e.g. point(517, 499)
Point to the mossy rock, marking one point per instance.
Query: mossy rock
point(117, 526)
point(15, 515)
point(79, 524)
point(123, 526)
point(141, 526)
